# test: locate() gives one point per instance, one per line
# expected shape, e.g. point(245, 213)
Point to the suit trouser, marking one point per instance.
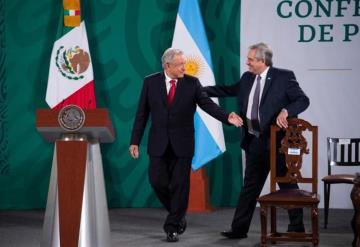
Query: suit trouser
point(170, 178)
point(256, 172)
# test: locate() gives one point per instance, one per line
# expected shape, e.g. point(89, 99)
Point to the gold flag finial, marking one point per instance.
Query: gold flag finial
point(72, 14)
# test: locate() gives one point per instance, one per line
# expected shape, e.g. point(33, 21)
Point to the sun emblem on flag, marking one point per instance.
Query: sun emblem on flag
point(72, 62)
point(194, 65)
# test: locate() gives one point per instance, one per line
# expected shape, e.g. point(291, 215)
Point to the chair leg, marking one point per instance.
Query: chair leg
point(315, 225)
point(273, 219)
point(263, 219)
point(326, 203)
point(273, 229)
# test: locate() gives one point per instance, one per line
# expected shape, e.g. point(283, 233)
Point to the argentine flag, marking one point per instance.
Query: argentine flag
point(190, 37)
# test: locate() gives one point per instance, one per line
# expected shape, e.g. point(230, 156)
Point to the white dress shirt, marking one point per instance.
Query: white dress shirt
point(167, 82)
point(251, 96)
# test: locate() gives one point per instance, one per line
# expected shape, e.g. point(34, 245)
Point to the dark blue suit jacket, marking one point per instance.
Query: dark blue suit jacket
point(281, 90)
point(175, 124)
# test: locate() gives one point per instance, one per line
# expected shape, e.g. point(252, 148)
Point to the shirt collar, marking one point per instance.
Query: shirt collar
point(264, 73)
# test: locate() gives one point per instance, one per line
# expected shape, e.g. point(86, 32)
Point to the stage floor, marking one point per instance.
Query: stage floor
point(142, 227)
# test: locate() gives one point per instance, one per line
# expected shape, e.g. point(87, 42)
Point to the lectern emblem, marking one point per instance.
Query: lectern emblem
point(71, 118)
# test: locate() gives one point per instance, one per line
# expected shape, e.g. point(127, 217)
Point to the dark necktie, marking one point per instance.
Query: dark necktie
point(255, 106)
point(171, 93)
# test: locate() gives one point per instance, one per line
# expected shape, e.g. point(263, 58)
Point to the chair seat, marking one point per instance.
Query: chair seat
point(339, 178)
point(290, 196)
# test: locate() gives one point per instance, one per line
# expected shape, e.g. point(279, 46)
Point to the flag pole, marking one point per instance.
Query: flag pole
point(190, 37)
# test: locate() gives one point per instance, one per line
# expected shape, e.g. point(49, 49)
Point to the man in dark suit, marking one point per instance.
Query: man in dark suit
point(266, 95)
point(170, 98)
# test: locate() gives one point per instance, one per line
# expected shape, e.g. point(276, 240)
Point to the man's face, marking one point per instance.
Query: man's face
point(176, 68)
point(256, 66)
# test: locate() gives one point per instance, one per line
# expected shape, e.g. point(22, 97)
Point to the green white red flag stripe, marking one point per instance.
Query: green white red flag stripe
point(72, 12)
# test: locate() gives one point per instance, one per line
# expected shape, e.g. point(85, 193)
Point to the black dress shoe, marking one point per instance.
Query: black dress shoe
point(182, 226)
point(232, 234)
point(172, 237)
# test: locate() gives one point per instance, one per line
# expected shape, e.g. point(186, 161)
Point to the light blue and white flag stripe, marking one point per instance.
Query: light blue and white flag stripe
point(190, 37)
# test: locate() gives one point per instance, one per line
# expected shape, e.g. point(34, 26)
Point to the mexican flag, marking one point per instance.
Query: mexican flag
point(71, 78)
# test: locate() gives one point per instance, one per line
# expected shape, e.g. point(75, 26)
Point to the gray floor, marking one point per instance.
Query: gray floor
point(143, 227)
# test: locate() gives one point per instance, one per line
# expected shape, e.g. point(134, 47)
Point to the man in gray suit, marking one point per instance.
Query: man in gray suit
point(266, 95)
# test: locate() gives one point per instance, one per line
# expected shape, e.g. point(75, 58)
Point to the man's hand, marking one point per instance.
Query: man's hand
point(281, 119)
point(134, 151)
point(235, 120)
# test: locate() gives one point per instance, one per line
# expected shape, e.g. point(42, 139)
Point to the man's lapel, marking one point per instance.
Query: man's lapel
point(163, 92)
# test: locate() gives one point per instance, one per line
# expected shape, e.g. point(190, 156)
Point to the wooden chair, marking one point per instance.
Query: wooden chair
point(342, 152)
point(293, 146)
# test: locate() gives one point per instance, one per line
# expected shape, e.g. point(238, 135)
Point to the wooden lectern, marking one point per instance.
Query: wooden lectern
point(76, 211)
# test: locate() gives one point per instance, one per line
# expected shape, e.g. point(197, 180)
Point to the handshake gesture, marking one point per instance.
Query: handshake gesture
point(235, 120)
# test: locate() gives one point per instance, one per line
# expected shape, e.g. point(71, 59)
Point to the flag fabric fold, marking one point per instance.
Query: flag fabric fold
point(71, 78)
point(190, 37)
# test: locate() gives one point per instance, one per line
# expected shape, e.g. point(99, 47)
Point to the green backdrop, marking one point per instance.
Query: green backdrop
point(127, 39)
